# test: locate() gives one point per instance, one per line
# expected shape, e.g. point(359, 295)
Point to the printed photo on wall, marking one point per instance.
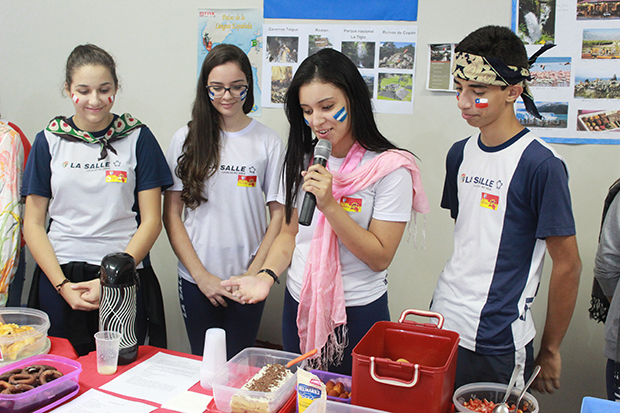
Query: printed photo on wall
point(554, 115)
point(551, 72)
point(536, 21)
point(601, 44)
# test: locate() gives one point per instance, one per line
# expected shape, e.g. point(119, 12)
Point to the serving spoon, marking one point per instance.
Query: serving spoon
point(503, 406)
point(528, 384)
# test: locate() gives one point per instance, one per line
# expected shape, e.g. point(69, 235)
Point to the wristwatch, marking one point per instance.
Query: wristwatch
point(273, 275)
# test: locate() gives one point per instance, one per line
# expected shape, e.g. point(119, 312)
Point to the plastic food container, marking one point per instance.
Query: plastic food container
point(45, 397)
point(424, 383)
point(228, 380)
point(18, 346)
point(328, 406)
point(326, 376)
point(595, 405)
point(493, 392)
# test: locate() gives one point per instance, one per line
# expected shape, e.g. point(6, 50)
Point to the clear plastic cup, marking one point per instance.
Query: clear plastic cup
point(107, 343)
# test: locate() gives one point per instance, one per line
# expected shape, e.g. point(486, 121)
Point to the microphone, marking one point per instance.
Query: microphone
point(322, 150)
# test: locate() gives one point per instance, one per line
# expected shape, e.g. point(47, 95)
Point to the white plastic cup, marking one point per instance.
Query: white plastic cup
point(107, 343)
point(213, 356)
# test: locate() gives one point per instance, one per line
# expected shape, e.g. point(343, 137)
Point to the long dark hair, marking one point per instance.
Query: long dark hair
point(201, 149)
point(326, 66)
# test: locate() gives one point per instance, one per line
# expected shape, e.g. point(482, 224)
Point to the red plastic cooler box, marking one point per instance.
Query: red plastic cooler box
point(425, 383)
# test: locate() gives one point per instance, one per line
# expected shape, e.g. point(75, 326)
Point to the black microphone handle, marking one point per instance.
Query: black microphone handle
point(307, 209)
point(309, 204)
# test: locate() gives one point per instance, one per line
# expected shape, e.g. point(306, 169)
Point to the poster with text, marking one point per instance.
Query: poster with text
point(575, 84)
point(384, 55)
point(240, 27)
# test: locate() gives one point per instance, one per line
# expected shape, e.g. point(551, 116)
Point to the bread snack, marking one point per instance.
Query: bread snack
point(268, 380)
point(11, 352)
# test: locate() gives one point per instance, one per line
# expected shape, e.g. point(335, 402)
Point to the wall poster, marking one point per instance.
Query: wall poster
point(575, 84)
point(241, 27)
point(383, 53)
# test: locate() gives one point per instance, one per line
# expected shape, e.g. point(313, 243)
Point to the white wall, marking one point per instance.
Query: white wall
point(154, 43)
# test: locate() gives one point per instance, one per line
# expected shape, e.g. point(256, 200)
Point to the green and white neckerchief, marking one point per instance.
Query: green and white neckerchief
point(120, 128)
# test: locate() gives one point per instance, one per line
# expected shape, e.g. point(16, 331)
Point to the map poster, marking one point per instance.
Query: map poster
point(241, 27)
point(383, 53)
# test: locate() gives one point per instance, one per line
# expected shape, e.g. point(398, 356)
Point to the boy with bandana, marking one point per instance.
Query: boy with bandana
point(507, 191)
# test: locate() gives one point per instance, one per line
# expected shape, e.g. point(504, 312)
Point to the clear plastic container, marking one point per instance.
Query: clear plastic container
point(18, 346)
point(47, 396)
point(493, 392)
point(327, 406)
point(227, 382)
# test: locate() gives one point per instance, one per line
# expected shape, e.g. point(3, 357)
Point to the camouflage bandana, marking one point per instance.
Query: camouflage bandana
point(492, 71)
point(120, 128)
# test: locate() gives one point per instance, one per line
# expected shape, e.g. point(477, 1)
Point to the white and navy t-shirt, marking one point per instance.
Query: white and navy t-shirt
point(227, 230)
point(93, 205)
point(506, 200)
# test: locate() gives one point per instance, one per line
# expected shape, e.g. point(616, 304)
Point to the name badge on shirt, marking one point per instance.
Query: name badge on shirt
point(247, 181)
point(351, 204)
point(116, 176)
point(489, 201)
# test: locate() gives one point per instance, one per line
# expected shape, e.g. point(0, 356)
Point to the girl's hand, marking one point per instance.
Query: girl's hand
point(318, 181)
point(83, 296)
point(249, 289)
point(211, 287)
point(89, 290)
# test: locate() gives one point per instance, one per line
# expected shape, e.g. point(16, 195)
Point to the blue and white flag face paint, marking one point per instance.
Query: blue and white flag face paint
point(306, 120)
point(341, 115)
point(243, 94)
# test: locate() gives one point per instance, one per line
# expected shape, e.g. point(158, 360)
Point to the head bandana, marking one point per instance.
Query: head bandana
point(492, 71)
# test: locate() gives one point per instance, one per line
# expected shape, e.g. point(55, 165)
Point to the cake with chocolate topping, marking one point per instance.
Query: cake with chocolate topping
point(268, 380)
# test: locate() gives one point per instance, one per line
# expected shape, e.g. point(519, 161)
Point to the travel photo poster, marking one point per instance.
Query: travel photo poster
point(383, 53)
point(575, 84)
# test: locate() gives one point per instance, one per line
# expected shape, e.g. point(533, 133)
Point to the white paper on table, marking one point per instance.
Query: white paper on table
point(95, 401)
point(188, 402)
point(157, 379)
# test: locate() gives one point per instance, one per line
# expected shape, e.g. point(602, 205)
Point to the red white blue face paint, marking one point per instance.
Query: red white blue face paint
point(111, 99)
point(341, 115)
point(482, 103)
point(458, 95)
point(75, 98)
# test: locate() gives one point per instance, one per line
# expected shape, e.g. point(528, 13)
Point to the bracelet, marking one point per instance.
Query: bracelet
point(273, 275)
point(59, 286)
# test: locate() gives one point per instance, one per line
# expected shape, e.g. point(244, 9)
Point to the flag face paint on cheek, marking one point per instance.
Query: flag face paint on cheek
point(458, 96)
point(482, 103)
point(75, 98)
point(111, 99)
point(306, 121)
point(341, 115)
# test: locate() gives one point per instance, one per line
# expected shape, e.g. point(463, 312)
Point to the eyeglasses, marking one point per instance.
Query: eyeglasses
point(236, 91)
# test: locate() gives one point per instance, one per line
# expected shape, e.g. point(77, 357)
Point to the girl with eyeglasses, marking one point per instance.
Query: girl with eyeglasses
point(226, 168)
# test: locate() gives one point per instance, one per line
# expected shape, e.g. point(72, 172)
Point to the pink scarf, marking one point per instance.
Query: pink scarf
point(321, 305)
